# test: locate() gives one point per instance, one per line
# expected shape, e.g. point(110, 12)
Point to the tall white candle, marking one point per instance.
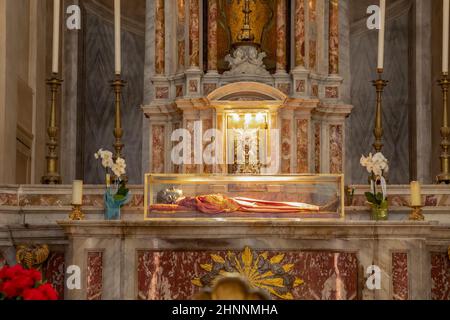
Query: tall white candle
point(118, 46)
point(381, 34)
point(77, 192)
point(416, 194)
point(445, 31)
point(56, 26)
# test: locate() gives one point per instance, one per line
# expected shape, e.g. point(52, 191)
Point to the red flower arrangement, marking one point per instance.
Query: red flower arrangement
point(17, 283)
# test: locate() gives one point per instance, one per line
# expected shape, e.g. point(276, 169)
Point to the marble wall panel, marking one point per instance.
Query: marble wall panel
point(94, 276)
point(302, 145)
point(440, 276)
point(396, 100)
point(170, 274)
point(158, 148)
point(286, 146)
point(54, 272)
point(317, 147)
point(97, 121)
point(336, 149)
point(400, 279)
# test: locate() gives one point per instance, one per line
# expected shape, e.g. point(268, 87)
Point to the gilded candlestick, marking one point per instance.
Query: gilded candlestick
point(77, 214)
point(379, 84)
point(416, 214)
point(52, 176)
point(444, 176)
point(117, 85)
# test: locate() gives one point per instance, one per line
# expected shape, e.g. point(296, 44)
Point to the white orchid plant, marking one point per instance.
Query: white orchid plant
point(377, 166)
point(118, 168)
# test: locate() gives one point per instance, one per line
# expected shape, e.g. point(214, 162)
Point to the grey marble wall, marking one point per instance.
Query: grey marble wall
point(360, 126)
point(97, 118)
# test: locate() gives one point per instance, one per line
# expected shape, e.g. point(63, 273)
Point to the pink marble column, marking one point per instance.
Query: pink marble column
point(194, 33)
point(281, 35)
point(181, 44)
point(160, 34)
point(334, 37)
point(212, 35)
point(299, 33)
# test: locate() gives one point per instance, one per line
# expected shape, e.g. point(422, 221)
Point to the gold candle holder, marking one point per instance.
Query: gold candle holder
point(378, 131)
point(117, 85)
point(416, 214)
point(77, 214)
point(52, 176)
point(444, 176)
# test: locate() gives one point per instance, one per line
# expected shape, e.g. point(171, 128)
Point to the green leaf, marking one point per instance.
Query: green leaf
point(370, 197)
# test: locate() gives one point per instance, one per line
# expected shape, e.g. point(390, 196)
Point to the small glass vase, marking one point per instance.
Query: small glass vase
point(113, 206)
point(380, 214)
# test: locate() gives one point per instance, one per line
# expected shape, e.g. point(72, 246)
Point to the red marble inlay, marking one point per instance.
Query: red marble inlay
point(440, 276)
point(162, 93)
point(168, 275)
point(331, 92)
point(208, 88)
point(400, 280)
point(300, 86)
point(54, 272)
point(179, 91)
point(286, 150)
point(317, 146)
point(94, 276)
point(302, 145)
point(193, 86)
point(336, 149)
point(158, 142)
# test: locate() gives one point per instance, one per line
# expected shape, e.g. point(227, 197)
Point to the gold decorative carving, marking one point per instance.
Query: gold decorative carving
point(32, 256)
point(417, 214)
point(77, 214)
point(260, 272)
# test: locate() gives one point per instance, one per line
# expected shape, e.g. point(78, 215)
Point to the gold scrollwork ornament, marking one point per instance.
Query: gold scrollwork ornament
point(260, 272)
point(32, 256)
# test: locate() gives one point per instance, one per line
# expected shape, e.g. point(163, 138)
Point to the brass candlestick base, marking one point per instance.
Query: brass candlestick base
point(77, 214)
point(379, 84)
point(444, 176)
point(416, 214)
point(52, 176)
point(117, 85)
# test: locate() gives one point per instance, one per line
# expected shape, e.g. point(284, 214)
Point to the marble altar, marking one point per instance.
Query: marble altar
point(161, 258)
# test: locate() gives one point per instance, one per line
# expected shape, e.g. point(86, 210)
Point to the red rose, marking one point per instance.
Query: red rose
point(15, 271)
point(33, 294)
point(23, 282)
point(48, 291)
point(10, 290)
point(35, 275)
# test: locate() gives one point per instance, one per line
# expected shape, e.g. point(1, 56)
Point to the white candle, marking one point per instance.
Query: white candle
point(445, 30)
point(77, 192)
point(56, 26)
point(381, 33)
point(416, 194)
point(117, 36)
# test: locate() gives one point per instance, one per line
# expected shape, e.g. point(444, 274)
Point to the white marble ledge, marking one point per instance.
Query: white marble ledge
point(233, 228)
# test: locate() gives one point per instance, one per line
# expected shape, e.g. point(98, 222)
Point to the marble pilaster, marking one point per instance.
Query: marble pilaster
point(282, 79)
point(194, 73)
point(333, 41)
point(160, 38)
point(299, 73)
point(212, 35)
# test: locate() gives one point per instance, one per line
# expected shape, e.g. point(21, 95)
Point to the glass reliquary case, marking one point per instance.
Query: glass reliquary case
point(234, 196)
